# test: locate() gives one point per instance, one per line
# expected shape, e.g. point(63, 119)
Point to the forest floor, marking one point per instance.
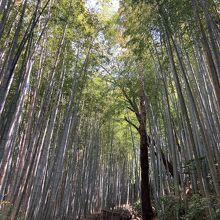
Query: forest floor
point(119, 214)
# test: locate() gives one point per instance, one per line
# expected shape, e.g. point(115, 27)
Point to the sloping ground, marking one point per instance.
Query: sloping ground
point(119, 214)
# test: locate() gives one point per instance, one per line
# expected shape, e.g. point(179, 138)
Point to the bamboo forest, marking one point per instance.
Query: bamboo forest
point(109, 109)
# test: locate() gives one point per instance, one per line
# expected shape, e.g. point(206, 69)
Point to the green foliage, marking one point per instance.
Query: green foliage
point(104, 101)
point(172, 207)
point(5, 207)
point(197, 207)
point(137, 21)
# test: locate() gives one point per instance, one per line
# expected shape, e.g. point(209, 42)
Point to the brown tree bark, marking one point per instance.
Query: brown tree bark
point(147, 211)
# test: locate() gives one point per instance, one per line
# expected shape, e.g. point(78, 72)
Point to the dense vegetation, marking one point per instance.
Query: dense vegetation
point(100, 108)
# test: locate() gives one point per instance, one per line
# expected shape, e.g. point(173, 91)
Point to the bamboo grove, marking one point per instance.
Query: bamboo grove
point(99, 111)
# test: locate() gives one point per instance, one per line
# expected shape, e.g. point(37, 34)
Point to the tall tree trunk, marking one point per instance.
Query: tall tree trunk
point(147, 211)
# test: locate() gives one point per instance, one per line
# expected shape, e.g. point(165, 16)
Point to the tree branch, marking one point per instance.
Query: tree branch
point(131, 123)
point(134, 107)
